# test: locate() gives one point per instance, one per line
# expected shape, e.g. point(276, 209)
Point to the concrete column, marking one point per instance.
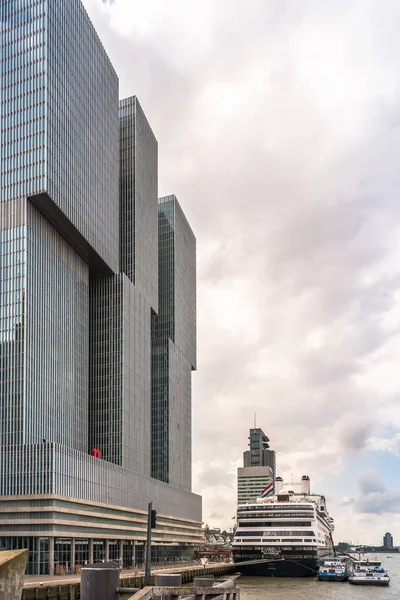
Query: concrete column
point(38, 555)
point(107, 551)
point(72, 555)
point(90, 552)
point(121, 553)
point(51, 556)
point(134, 554)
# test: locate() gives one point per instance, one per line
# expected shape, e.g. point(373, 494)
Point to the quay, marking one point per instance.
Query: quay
point(44, 587)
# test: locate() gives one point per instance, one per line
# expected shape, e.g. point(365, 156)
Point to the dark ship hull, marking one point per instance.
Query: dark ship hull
point(284, 563)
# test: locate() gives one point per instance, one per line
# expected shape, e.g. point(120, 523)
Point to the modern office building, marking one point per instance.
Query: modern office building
point(173, 347)
point(259, 468)
point(260, 454)
point(388, 541)
point(251, 481)
point(79, 223)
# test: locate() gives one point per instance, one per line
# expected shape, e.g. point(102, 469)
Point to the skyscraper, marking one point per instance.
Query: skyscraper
point(173, 346)
point(388, 541)
point(259, 467)
point(79, 285)
point(260, 454)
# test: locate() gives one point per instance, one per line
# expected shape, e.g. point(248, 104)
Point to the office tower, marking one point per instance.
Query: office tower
point(79, 285)
point(173, 347)
point(251, 481)
point(121, 307)
point(260, 454)
point(388, 541)
point(259, 468)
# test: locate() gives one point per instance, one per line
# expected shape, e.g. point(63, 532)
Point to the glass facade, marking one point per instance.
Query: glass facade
point(120, 373)
point(52, 147)
point(24, 97)
point(70, 554)
point(173, 347)
point(139, 200)
point(79, 270)
point(43, 332)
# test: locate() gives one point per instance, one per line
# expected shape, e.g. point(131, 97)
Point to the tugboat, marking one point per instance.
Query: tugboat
point(365, 572)
point(333, 570)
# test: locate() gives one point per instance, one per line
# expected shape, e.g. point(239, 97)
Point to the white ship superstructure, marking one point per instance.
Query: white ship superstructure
point(365, 572)
point(292, 528)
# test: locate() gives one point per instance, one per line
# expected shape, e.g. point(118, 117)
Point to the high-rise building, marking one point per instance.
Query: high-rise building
point(251, 481)
point(79, 222)
point(173, 347)
point(259, 468)
point(260, 454)
point(388, 541)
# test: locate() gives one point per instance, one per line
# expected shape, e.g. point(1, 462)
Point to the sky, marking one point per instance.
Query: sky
point(278, 125)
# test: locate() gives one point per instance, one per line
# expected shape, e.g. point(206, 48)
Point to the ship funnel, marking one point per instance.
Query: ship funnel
point(305, 484)
point(278, 484)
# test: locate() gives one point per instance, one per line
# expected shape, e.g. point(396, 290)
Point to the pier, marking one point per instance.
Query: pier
point(68, 587)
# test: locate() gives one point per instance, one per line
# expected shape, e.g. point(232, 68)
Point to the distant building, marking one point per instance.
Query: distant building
point(214, 536)
point(259, 467)
point(251, 482)
point(259, 454)
point(388, 541)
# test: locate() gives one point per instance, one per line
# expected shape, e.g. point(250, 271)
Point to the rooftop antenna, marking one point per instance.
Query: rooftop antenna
point(255, 420)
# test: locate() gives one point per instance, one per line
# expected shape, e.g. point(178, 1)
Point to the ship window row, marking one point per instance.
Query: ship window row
point(274, 523)
point(277, 515)
point(251, 540)
point(247, 556)
point(276, 507)
point(279, 533)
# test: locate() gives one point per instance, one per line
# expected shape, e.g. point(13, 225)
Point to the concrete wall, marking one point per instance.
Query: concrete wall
point(12, 572)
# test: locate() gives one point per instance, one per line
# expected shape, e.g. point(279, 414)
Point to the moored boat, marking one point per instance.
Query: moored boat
point(365, 572)
point(284, 533)
point(333, 570)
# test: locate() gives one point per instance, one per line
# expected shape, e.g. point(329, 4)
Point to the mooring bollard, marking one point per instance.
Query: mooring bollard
point(100, 581)
point(203, 581)
point(168, 580)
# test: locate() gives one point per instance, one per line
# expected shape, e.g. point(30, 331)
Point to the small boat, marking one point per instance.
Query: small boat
point(333, 570)
point(365, 572)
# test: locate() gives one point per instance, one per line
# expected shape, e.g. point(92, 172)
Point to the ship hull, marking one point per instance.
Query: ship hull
point(281, 568)
point(333, 577)
point(375, 582)
point(296, 562)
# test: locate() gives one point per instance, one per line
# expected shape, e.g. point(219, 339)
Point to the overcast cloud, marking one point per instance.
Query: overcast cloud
point(278, 124)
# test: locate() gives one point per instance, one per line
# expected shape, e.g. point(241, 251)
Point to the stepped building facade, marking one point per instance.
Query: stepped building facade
point(259, 468)
point(89, 431)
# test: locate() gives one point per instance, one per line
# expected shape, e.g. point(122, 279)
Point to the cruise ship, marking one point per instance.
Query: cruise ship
point(289, 531)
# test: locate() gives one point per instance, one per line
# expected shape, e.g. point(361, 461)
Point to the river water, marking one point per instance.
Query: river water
point(282, 588)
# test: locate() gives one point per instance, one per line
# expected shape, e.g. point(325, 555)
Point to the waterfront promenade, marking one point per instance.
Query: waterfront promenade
point(66, 586)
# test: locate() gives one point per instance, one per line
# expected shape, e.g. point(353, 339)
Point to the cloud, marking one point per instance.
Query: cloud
point(355, 433)
point(278, 129)
point(385, 444)
point(375, 498)
point(348, 501)
point(379, 503)
point(370, 482)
